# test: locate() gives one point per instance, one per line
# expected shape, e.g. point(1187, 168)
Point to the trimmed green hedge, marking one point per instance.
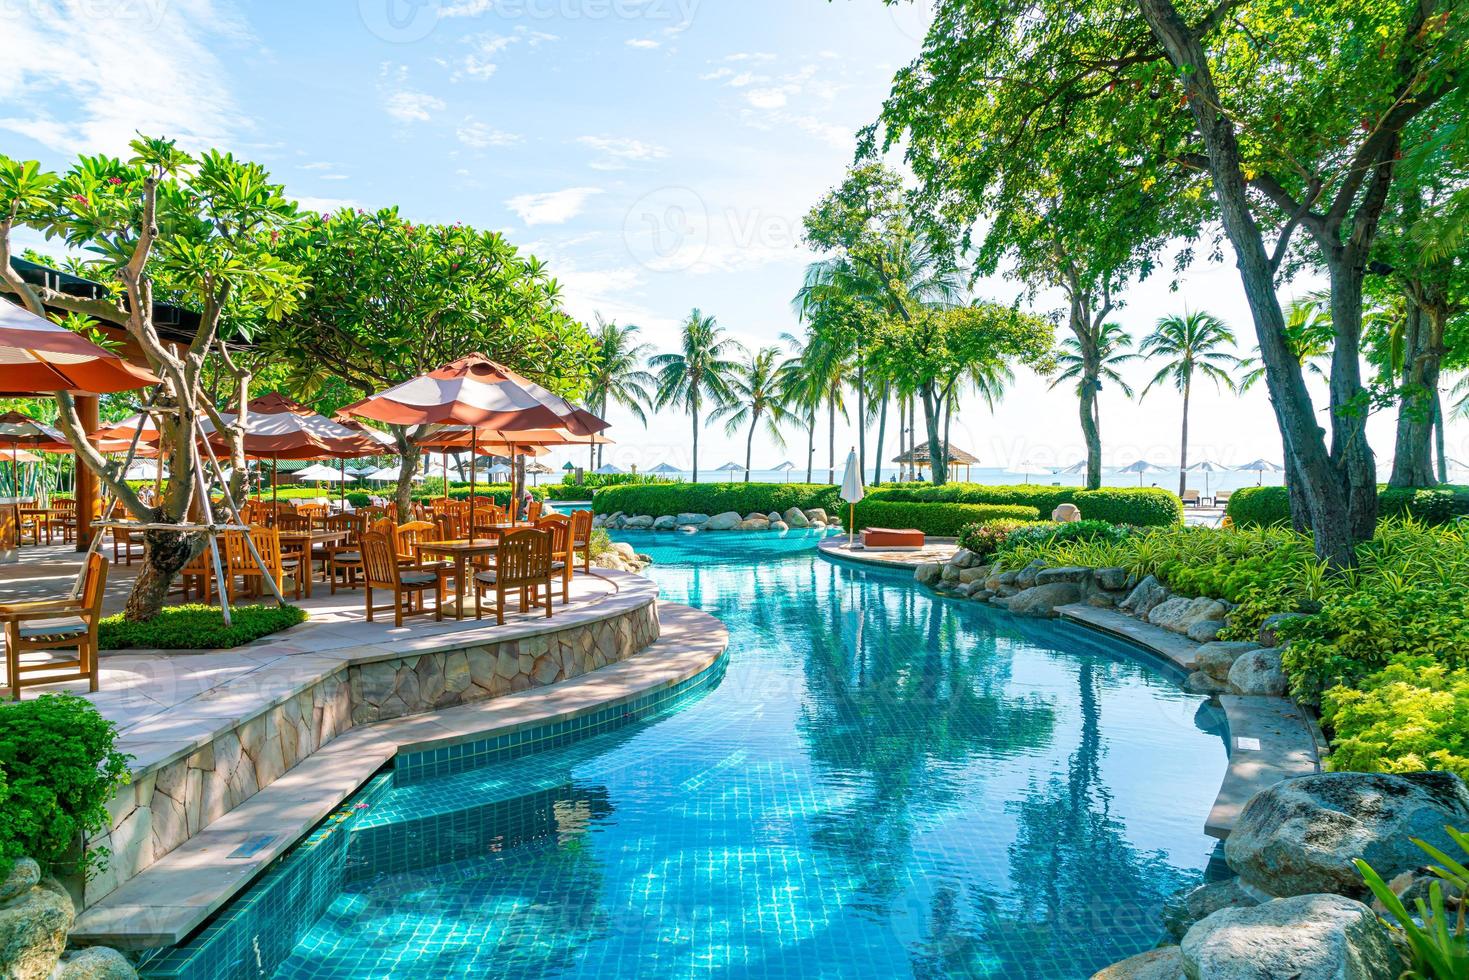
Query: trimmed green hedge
point(196, 627)
point(1270, 506)
point(1139, 506)
point(664, 499)
point(940, 519)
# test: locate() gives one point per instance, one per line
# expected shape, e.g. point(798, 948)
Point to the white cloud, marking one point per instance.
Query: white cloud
point(750, 56)
point(717, 74)
point(766, 98)
point(119, 69)
point(646, 43)
point(618, 152)
point(485, 48)
point(409, 106)
point(478, 135)
point(553, 207)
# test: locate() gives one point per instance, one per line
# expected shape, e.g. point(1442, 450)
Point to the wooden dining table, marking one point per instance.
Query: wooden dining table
point(459, 552)
point(304, 541)
point(43, 517)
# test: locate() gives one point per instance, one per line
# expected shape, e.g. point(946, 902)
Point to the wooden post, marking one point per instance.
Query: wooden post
point(86, 480)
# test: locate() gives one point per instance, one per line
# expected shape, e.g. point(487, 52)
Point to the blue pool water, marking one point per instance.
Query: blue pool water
point(880, 784)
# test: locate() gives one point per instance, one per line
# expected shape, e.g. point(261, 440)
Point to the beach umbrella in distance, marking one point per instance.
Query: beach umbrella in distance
point(1260, 467)
point(607, 469)
point(1206, 467)
point(1139, 467)
point(389, 474)
point(1026, 467)
point(319, 473)
point(852, 492)
point(537, 469)
point(1078, 467)
point(499, 470)
point(662, 469)
point(145, 469)
point(784, 468)
point(731, 468)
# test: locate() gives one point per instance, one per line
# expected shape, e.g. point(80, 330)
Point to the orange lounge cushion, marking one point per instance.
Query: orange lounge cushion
point(886, 537)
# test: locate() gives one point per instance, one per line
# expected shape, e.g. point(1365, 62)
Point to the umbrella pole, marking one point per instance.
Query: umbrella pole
point(851, 523)
point(473, 466)
point(275, 481)
point(343, 495)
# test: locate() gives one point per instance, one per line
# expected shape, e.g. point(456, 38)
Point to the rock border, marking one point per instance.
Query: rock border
point(793, 518)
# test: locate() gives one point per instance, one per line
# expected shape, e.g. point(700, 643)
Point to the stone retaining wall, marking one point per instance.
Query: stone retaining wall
point(169, 804)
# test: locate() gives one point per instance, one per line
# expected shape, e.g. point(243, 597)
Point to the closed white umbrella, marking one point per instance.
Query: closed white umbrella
point(852, 492)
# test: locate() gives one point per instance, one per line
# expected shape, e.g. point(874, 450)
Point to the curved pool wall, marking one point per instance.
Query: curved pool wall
point(875, 782)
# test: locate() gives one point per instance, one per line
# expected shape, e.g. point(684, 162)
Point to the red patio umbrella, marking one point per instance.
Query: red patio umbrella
point(476, 391)
point(38, 357)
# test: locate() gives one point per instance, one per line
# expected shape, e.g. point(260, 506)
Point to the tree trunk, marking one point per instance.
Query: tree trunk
point(1418, 400)
point(861, 416)
point(1091, 432)
point(937, 463)
point(694, 412)
point(810, 444)
point(409, 454)
point(750, 446)
point(1350, 450)
point(164, 553)
point(1321, 484)
point(948, 423)
point(882, 422)
point(1438, 437)
point(831, 437)
point(1183, 442)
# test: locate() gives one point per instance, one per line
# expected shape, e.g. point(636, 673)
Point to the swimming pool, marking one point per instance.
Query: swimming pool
point(882, 784)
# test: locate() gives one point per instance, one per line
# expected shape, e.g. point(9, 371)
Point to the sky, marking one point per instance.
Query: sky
point(658, 154)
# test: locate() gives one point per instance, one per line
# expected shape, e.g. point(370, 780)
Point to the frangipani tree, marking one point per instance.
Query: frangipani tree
point(197, 231)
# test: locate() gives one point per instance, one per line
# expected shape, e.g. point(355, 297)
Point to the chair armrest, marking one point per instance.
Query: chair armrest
point(34, 605)
point(14, 616)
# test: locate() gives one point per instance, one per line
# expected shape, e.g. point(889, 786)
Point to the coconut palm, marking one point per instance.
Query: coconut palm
point(757, 394)
point(617, 375)
point(699, 373)
point(1112, 344)
point(1307, 333)
point(1190, 343)
point(801, 397)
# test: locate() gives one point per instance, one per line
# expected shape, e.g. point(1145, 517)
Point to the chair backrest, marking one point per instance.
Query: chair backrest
point(413, 532)
point(64, 503)
point(523, 558)
point(94, 584)
point(1222, 496)
point(379, 560)
point(581, 526)
point(533, 512)
point(560, 530)
point(353, 524)
point(418, 511)
point(1190, 496)
point(450, 527)
point(292, 522)
point(267, 542)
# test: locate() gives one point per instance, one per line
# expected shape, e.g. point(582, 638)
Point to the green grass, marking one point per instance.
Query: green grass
point(197, 627)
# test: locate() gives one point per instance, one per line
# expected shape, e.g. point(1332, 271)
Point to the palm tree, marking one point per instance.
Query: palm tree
point(617, 374)
point(1307, 333)
point(1189, 342)
point(801, 396)
point(700, 371)
point(757, 394)
point(1112, 344)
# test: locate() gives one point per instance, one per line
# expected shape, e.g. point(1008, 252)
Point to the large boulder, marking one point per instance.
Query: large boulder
point(1205, 631)
point(33, 927)
point(1144, 596)
point(1300, 836)
point(1075, 574)
point(691, 520)
point(641, 522)
point(1179, 614)
point(779, 526)
point(975, 573)
point(1026, 577)
point(1112, 578)
point(928, 573)
point(1190, 905)
point(773, 516)
point(96, 963)
point(1307, 937)
point(1043, 599)
point(795, 518)
point(1216, 659)
point(756, 523)
point(665, 523)
point(24, 875)
point(964, 558)
point(726, 521)
point(1199, 682)
point(1259, 672)
point(1163, 963)
point(817, 515)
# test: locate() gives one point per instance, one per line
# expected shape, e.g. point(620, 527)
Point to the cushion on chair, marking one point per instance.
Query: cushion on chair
point(60, 626)
point(417, 578)
point(347, 556)
point(488, 577)
point(558, 566)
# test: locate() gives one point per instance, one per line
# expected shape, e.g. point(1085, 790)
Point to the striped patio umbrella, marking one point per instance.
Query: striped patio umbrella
point(278, 428)
point(39, 357)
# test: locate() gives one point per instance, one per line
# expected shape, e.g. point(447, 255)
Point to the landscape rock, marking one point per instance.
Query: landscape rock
point(1205, 631)
point(817, 514)
point(1178, 614)
point(779, 526)
point(96, 963)
point(1163, 963)
point(1215, 659)
point(754, 524)
point(1268, 637)
point(964, 558)
point(1190, 905)
point(795, 518)
point(641, 522)
point(951, 572)
point(1300, 836)
point(625, 550)
point(726, 521)
point(24, 875)
point(1101, 600)
point(691, 520)
point(33, 927)
point(1307, 937)
point(982, 595)
point(1066, 513)
point(1201, 683)
point(773, 516)
point(664, 523)
point(928, 573)
point(1112, 578)
point(1025, 578)
point(1069, 573)
point(1009, 578)
point(976, 574)
point(1043, 599)
point(1259, 672)
point(1146, 595)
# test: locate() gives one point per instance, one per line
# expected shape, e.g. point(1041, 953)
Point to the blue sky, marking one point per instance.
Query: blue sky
point(659, 154)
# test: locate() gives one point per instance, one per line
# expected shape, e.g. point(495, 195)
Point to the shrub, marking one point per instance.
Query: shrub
point(1259, 507)
point(197, 627)
point(985, 538)
point(1270, 506)
point(1050, 532)
point(1141, 506)
point(940, 519)
point(664, 499)
point(58, 769)
point(433, 489)
point(1410, 716)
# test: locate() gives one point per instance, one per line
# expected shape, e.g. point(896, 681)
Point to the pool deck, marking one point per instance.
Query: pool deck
point(934, 549)
point(165, 903)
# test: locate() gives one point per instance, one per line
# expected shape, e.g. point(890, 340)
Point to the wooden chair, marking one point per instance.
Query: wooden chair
point(56, 624)
point(533, 511)
point(267, 542)
point(1221, 497)
point(65, 517)
point(407, 537)
point(1190, 498)
point(452, 525)
point(581, 538)
point(127, 544)
point(382, 571)
point(344, 558)
point(558, 526)
point(197, 576)
point(523, 562)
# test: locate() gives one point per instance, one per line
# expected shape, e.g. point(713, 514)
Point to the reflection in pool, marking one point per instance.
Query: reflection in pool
point(883, 784)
